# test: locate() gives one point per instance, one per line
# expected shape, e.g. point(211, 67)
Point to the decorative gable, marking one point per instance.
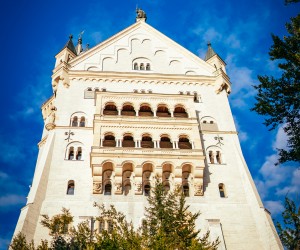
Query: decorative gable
point(140, 48)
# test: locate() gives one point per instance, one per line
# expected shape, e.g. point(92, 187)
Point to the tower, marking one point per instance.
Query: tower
point(136, 106)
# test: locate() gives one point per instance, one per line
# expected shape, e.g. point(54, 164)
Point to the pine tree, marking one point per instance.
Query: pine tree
point(170, 225)
point(290, 232)
point(279, 99)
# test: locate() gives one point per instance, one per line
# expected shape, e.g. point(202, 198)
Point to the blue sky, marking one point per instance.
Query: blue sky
point(32, 32)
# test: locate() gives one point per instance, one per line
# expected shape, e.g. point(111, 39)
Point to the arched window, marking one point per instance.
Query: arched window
point(211, 157)
point(163, 111)
point(142, 67)
point(218, 157)
point(186, 190)
point(107, 189)
point(148, 66)
point(147, 189)
point(135, 66)
point(79, 154)
point(166, 176)
point(222, 190)
point(184, 143)
point(127, 172)
point(147, 142)
point(71, 153)
point(128, 109)
point(109, 141)
point(74, 151)
point(196, 97)
point(215, 155)
point(147, 171)
point(71, 188)
point(75, 121)
point(128, 141)
point(209, 123)
point(186, 179)
point(82, 122)
point(145, 110)
point(165, 142)
point(179, 111)
point(127, 188)
point(110, 109)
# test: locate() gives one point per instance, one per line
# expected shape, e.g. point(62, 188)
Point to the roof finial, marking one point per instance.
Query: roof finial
point(209, 44)
point(70, 36)
point(140, 15)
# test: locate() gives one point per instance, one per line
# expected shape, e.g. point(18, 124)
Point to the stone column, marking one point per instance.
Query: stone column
point(172, 112)
point(119, 110)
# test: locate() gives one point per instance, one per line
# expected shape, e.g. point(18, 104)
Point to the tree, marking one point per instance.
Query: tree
point(279, 99)
point(168, 225)
point(19, 242)
point(290, 233)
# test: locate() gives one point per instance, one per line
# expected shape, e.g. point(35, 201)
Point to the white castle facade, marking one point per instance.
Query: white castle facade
point(137, 106)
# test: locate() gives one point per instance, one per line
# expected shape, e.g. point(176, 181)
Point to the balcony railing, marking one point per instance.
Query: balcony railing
point(181, 115)
point(184, 145)
point(128, 144)
point(128, 113)
point(110, 112)
point(165, 144)
point(147, 144)
point(109, 143)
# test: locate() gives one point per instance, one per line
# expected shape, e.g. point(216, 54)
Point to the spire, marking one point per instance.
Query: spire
point(79, 48)
point(140, 15)
point(70, 45)
point(210, 52)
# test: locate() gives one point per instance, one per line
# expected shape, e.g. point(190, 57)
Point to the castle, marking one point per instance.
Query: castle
point(136, 106)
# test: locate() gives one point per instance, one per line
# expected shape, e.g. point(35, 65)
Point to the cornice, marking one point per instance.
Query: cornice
point(218, 132)
point(146, 126)
point(132, 77)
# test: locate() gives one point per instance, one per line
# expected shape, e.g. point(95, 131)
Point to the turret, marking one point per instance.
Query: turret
point(222, 80)
point(67, 53)
point(214, 59)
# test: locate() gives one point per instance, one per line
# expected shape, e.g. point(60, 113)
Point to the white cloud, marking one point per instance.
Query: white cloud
point(211, 35)
point(281, 139)
point(275, 207)
point(11, 200)
point(233, 41)
point(273, 175)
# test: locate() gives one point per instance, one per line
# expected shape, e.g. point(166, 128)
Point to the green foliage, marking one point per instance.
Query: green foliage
point(58, 224)
point(279, 99)
point(168, 225)
point(119, 234)
point(19, 242)
point(290, 233)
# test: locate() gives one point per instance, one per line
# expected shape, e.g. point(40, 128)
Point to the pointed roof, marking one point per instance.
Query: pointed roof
point(210, 52)
point(70, 45)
